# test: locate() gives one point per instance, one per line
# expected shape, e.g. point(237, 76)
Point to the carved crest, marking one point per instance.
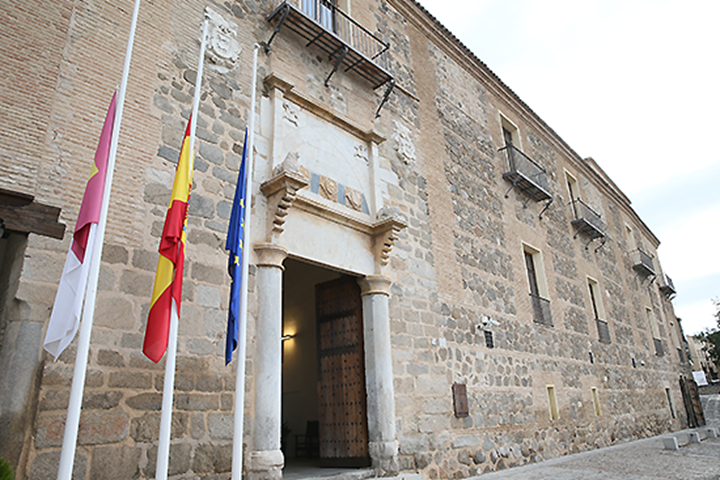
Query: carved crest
point(361, 153)
point(404, 147)
point(223, 48)
point(290, 113)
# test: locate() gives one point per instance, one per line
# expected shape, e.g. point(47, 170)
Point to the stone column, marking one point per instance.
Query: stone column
point(266, 460)
point(378, 374)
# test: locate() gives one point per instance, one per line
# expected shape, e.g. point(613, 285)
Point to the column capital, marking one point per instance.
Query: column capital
point(375, 285)
point(270, 255)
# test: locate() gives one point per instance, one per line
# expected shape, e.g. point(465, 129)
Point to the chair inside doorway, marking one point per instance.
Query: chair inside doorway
point(308, 445)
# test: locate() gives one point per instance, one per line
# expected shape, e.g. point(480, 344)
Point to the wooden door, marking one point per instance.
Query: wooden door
point(341, 375)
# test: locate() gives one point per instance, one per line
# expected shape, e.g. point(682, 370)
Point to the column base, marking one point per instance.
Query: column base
point(384, 458)
point(265, 465)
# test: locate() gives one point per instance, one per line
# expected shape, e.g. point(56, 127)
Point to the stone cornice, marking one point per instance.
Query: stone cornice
point(425, 22)
point(273, 81)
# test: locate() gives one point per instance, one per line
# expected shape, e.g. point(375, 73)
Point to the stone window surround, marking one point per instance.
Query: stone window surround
point(594, 285)
point(539, 263)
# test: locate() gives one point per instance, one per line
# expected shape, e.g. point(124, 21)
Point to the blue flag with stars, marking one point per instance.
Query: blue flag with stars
point(234, 245)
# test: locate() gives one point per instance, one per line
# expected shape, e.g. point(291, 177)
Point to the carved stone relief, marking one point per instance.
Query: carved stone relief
point(404, 147)
point(361, 153)
point(353, 199)
point(328, 188)
point(223, 48)
point(290, 113)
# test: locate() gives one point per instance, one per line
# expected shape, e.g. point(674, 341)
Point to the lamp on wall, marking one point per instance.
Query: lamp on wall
point(287, 337)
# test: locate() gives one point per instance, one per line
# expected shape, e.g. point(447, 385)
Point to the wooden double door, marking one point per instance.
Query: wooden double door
point(341, 374)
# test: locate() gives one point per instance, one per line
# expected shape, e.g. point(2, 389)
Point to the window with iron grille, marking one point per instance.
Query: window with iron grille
point(489, 342)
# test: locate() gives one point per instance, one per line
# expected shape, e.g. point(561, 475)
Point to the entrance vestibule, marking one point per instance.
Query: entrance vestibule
point(324, 416)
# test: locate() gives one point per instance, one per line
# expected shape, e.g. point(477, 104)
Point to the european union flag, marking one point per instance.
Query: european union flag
point(234, 245)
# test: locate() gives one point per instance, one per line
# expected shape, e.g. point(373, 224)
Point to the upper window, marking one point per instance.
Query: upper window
point(537, 284)
point(510, 132)
point(598, 311)
point(572, 186)
point(629, 237)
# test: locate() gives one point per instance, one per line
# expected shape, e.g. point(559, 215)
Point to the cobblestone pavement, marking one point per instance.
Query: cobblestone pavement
point(639, 460)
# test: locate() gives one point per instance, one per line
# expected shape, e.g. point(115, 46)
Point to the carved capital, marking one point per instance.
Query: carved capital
point(270, 255)
point(281, 191)
point(375, 285)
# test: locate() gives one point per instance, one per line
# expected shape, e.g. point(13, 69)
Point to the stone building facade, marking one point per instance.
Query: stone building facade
point(508, 305)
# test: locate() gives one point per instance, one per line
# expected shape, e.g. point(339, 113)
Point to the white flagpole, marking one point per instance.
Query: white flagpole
point(163, 455)
point(72, 423)
point(237, 459)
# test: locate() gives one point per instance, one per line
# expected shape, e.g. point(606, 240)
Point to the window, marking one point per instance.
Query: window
point(672, 410)
point(572, 186)
point(552, 401)
point(655, 331)
point(598, 311)
point(596, 401)
point(629, 238)
point(537, 285)
point(489, 342)
point(510, 132)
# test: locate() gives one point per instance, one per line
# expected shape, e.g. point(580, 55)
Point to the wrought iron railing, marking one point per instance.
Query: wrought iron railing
point(669, 287)
point(520, 163)
point(541, 309)
point(584, 212)
point(658, 347)
point(334, 20)
point(643, 262)
point(603, 331)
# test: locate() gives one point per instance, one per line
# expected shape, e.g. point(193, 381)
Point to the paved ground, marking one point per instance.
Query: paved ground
point(639, 460)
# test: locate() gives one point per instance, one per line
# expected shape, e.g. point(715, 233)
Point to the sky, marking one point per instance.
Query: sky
point(635, 85)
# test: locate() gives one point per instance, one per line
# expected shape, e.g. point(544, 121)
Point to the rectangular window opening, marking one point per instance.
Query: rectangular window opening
point(596, 401)
point(489, 342)
point(537, 285)
point(552, 400)
point(670, 404)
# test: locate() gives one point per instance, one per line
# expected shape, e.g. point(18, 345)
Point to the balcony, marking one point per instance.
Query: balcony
point(603, 331)
point(541, 310)
point(527, 176)
point(348, 45)
point(642, 263)
point(587, 222)
point(658, 347)
point(669, 288)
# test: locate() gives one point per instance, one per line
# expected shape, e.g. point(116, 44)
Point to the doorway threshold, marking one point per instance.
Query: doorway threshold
point(310, 469)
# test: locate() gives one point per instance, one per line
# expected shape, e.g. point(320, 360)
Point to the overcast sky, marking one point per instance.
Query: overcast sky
point(633, 84)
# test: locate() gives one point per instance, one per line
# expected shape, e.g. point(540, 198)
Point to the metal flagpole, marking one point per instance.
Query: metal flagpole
point(72, 423)
point(163, 455)
point(237, 459)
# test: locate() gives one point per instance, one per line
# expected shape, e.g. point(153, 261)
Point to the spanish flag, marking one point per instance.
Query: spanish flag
point(167, 291)
point(67, 309)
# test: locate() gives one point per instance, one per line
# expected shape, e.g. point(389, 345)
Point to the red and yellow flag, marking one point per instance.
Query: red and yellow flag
point(167, 291)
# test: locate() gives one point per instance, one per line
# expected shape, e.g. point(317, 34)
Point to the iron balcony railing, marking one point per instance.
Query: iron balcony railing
point(658, 347)
point(524, 173)
point(348, 44)
point(541, 310)
point(587, 220)
point(668, 288)
point(603, 331)
point(642, 263)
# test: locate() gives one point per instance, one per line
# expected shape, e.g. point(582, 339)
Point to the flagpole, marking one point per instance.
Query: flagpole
point(72, 423)
point(163, 455)
point(237, 459)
